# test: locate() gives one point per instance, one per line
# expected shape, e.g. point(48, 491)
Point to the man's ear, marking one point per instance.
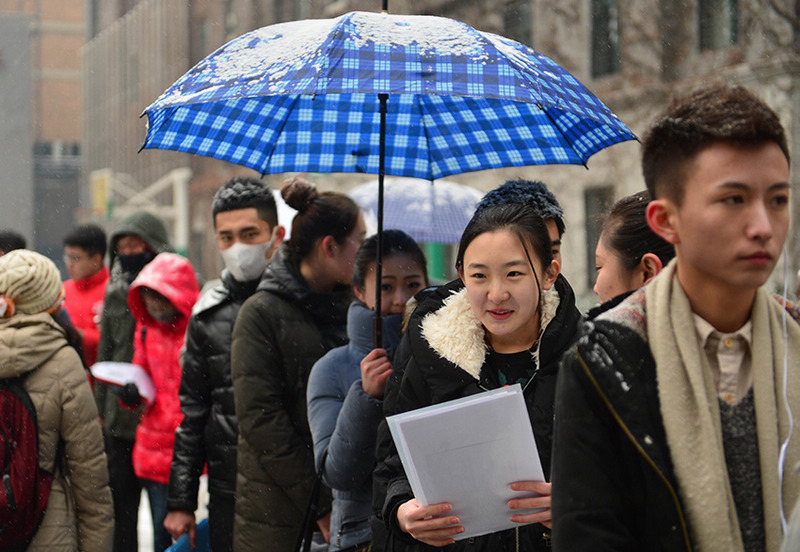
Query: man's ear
point(661, 219)
point(279, 233)
point(650, 266)
point(550, 275)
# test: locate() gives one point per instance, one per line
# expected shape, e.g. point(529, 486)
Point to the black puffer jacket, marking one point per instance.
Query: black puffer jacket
point(208, 431)
point(281, 331)
point(609, 429)
point(428, 378)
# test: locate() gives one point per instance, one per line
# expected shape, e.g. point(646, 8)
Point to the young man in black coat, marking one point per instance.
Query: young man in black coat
point(670, 411)
point(247, 231)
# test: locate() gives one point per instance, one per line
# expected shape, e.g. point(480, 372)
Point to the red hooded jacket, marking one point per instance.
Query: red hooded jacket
point(157, 348)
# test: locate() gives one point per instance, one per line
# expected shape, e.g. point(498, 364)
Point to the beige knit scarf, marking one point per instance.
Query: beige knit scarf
point(690, 410)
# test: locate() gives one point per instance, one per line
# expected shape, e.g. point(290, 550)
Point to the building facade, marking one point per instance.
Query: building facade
point(42, 109)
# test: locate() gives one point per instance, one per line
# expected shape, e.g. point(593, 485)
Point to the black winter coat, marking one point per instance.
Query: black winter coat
point(281, 331)
point(610, 433)
point(428, 378)
point(208, 431)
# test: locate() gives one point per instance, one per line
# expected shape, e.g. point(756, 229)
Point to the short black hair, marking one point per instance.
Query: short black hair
point(242, 192)
point(11, 240)
point(715, 113)
point(533, 193)
point(89, 237)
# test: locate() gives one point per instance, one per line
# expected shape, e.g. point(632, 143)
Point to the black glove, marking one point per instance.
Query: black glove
point(129, 395)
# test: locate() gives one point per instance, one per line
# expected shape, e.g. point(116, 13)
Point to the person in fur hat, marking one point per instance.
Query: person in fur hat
point(79, 514)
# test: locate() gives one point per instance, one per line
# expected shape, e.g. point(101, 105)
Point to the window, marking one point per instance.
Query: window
point(597, 202)
point(517, 21)
point(717, 23)
point(605, 38)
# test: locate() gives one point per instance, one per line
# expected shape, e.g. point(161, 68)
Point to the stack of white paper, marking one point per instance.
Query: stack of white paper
point(467, 452)
point(121, 373)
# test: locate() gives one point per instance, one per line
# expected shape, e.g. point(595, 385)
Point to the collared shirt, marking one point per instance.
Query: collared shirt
point(730, 358)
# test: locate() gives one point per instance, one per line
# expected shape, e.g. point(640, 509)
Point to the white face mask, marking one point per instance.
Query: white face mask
point(247, 262)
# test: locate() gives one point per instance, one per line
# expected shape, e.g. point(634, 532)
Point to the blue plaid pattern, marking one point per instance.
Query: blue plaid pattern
point(302, 96)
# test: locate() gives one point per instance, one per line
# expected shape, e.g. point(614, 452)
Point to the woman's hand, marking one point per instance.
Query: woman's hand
point(375, 370)
point(542, 488)
point(428, 524)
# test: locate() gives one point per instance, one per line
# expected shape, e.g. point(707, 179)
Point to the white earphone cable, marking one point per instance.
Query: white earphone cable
point(785, 393)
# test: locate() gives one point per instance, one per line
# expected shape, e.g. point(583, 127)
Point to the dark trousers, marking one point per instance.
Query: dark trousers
point(220, 522)
point(125, 490)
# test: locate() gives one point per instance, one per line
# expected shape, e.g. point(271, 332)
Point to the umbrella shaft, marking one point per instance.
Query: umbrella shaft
point(378, 334)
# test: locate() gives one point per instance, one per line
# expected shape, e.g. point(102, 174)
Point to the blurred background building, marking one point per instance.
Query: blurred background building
point(632, 53)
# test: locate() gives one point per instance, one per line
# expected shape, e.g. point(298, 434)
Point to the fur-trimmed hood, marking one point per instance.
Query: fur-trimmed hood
point(455, 333)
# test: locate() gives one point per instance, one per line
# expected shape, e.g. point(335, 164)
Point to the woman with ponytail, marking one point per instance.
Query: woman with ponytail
point(298, 313)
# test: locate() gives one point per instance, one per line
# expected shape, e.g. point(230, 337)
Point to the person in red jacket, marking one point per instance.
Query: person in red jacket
point(84, 250)
point(161, 300)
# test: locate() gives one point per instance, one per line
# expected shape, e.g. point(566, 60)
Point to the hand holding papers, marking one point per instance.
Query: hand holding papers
point(466, 453)
point(120, 373)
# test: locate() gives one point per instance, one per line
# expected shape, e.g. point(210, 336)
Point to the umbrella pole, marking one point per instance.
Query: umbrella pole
point(377, 334)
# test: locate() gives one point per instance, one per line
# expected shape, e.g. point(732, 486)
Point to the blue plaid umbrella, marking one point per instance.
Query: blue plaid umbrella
point(417, 96)
point(303, 96)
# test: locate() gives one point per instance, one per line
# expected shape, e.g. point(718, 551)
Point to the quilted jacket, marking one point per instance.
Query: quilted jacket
point(80, 514)
point(157, 349)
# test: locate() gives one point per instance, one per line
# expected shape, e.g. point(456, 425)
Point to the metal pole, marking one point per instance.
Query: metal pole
point(378, 321)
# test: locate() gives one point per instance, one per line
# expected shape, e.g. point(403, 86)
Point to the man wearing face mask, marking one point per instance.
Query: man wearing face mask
point(135, 241)
point(248, 235)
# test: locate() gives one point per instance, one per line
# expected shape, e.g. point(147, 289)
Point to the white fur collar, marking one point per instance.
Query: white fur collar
point(456, 334)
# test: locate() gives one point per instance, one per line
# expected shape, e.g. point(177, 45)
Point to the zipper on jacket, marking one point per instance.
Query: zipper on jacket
point(638, 447)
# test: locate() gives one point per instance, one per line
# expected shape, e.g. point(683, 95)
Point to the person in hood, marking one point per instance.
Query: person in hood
point(345, 389)
point(79, 514)
point(137, 239)
point(506, 320)
point(295, 316)
point(248, 235)
point(161, 300)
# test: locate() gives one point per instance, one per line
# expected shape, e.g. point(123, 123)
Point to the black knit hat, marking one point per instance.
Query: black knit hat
point(529, 192)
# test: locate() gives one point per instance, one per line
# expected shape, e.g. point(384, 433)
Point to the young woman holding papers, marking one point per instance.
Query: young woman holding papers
point(505, 321)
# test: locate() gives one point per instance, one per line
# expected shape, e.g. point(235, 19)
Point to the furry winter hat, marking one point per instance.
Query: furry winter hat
point(30, 280)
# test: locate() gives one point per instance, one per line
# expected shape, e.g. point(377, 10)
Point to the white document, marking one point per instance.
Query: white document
point(467, 452)
point(121, 373)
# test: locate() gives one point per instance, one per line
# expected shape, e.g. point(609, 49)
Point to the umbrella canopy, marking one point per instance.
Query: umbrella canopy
point(417, 96)
point(303, 96)
point(427, 211)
